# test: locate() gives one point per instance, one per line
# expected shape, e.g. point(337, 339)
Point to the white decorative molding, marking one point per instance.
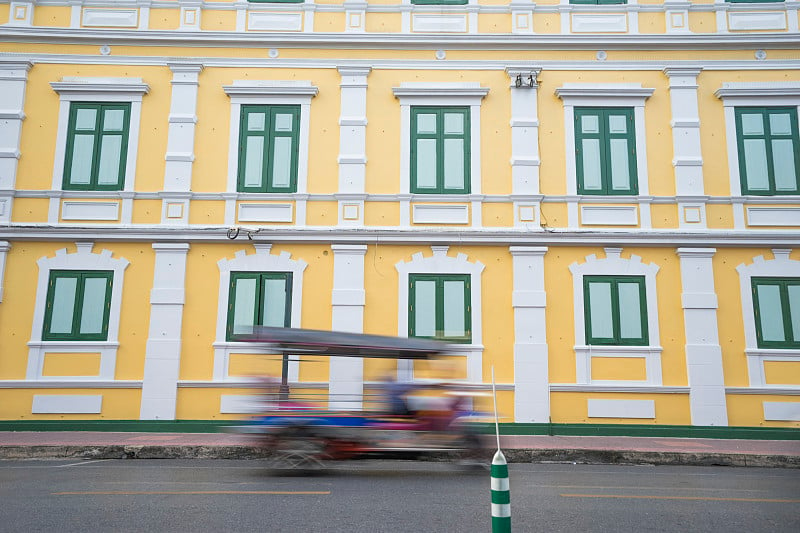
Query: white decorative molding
point(88, 210)
point(677, 17)
point(614, 265)
point(440, 213)
point(703, 351)
point(83, 260)
point(97, 89)
point(411, 94)
point(529, 300)
point(21, 13)
point(191, 12)
point(13, 82)
point(270, 92)
point(5, 246)
point(265, 212)
point(67, 404)
point(599, 23)
point(355, 17)
point(756, 20)
point(773, 216)
point(439, 23)
point(94, 17)
point(347, 314)
point(782, 266)
point(352, 144)
point(522, 18)
point(239, 404)
point(605, 95)
point(272, 21)
point(782, 411)
point(261, 261)
point(441, 263)
point(621, 408)
point(609, 215)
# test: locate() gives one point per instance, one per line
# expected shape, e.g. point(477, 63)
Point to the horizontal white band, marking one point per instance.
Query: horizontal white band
point(501, 510)
point(500, 483)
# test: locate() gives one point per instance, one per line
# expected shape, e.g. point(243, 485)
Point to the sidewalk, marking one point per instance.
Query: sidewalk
point(517, 448)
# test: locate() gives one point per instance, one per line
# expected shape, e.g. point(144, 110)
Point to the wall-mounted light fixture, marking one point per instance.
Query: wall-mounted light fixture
point(525, 83)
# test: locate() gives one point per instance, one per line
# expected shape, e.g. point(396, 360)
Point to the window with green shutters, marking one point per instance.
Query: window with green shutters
point(605, 151)
point(776, 303)
point(268, 148)
point(97, 146)
point(258, 299)
point(615, 310)
point(77, 305)
point(440, 150)
point(769, 151)
point(439, 307)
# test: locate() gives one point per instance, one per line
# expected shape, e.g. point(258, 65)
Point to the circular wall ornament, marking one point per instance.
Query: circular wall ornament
point(761, 55)
point(440, 54)
point(601, 55)
point(105, 50)
point(273, 53)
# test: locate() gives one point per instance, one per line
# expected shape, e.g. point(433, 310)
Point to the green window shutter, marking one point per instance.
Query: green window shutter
point(776, 303)
point(258, 299)
point(268, 148)
point(440, 150)
point(605, 151)
point(769, 150)
point(97, 146)
point(615, 310)
point(440, 307)
point(78, 305)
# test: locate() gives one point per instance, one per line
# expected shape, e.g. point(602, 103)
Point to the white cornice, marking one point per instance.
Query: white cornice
point(70, 85)
point(758, 89)
point(270, 88)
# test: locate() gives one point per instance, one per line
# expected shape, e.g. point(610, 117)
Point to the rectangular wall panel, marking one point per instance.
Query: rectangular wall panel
point(622, 409)
point(67, 404)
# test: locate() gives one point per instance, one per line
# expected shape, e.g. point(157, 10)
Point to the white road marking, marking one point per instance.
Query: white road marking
point(83, 463)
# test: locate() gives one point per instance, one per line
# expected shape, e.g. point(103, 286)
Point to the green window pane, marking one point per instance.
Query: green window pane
point(590, 124)
point(620, 169)
point(752, 124)
point(600, 313)
point(617, 124)
point(93, 308)
point(454, 163)
point(244, 310)
point(630, 307)
point(256, 121)
point(82, 155)
point(282, 162)
point(592, 179)
point(453, 123)
point(274, 302)
point(783, 165)
point(425, 308)
point(114, 120)
point(454, 307)
point(85, 119)
point(283, 122)
point(254, 162)
point(110, 153)
point(63, 302)
point(780, 123)
point(793, 293)
point(771, 319)
point(426, 124)
point(426, 163)
point(755, 158)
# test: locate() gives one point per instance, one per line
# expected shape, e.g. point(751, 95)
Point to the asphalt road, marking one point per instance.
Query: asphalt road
point(226, 495)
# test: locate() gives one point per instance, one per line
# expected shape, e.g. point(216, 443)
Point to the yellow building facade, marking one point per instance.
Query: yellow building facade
point(599, 201)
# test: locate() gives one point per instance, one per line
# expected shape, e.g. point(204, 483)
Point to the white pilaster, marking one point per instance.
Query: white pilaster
point(352, 145)
point(531, 383)
point(190, 15)
point(13, 79)
point(703, 352)
point(688, 161)
point(355, 16)
point(677, 15)
point(21, 13)
point(180, 143)
point(525, 147)
point(5, 246)
point(347, 314)
point(163, 349)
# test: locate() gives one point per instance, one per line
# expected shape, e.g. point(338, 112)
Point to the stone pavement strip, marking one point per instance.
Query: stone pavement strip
point(517, 448)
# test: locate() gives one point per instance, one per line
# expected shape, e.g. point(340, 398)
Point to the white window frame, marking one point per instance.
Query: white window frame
point(261, 261)
point(269, 92)
point(5, 246)
point(81, 260)
point(101, 90)
point(753, 94)
point(780, 267)
point(607, 95)
point(466, 94)
point(441, 263)
point(615, 265)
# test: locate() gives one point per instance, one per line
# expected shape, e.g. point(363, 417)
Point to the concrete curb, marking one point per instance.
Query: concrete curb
point(512, 455)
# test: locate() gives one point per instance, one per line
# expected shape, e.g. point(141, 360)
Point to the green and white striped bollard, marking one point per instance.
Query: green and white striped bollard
point(501, 496)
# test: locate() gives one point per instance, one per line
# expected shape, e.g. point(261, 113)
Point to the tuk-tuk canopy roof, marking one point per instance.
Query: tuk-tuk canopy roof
point(318, 342)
